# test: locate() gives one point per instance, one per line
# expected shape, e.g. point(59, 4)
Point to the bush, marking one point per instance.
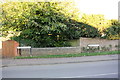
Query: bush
point(113, 31)
point(76, 30)
point(29, 38)
point(90, 49)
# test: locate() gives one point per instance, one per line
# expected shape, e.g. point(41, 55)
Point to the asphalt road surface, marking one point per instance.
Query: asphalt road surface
point(99, 69)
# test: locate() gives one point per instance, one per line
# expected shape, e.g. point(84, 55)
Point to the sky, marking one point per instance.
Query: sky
point(109, 8)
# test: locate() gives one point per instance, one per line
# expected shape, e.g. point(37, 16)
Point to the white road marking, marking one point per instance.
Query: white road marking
point(87, 76)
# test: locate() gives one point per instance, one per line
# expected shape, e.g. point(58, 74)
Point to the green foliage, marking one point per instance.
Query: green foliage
point(29, 37)
point(79, 29)
point(45, 24)
point(113, 31)
point(90, 49)
point(97, 49)
point(96, 20)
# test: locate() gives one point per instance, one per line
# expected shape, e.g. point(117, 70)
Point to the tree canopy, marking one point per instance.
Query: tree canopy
point(96, 20)
point(113, 32)
point(49, 24)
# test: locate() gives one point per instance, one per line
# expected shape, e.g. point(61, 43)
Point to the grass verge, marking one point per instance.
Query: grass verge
point(69, 55)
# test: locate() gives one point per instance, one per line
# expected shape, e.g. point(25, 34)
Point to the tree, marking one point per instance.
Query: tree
point(45, 24)
point(113, 32)
point(14, 15)
point(96, 20)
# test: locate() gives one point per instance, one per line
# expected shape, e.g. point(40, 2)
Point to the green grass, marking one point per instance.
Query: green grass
point(69, 55)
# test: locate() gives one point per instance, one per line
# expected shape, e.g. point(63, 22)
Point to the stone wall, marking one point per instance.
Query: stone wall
point(71, 50)
point(102, 42)
point(51, 51)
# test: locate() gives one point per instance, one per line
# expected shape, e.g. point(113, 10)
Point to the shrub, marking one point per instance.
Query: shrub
point(89, 49)
point(113, 31)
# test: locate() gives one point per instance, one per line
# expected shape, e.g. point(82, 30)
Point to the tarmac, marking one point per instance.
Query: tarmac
point(50, 61)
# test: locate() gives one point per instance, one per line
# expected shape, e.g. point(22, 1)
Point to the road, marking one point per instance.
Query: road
point(99, 69)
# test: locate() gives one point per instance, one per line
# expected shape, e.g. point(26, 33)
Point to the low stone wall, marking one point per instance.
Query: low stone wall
point(52, 51)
